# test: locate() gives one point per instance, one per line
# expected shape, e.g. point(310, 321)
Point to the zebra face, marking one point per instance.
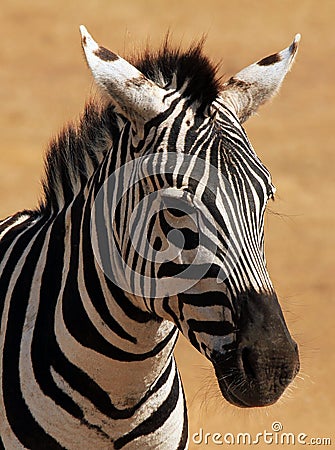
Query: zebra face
point(197, 258)
point(214, 233)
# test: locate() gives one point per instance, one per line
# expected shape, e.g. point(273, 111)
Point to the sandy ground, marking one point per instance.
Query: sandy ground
point(44, 82)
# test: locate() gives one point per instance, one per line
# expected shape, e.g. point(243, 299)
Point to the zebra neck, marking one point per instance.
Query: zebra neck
point(121, 349)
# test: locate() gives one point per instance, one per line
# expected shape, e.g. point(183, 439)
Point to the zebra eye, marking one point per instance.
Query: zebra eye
point(212, 112)
point(271, 191)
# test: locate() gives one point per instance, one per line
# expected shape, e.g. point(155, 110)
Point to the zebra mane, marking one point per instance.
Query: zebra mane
point(74, 155)
point(190, 66)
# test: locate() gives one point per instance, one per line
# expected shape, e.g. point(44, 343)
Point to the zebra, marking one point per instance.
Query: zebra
point(151, 223)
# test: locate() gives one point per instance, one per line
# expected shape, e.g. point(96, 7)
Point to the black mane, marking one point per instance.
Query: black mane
point(74, 155)
point(191, 66)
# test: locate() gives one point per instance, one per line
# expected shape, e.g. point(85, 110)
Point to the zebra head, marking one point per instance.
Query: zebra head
point(188, 196)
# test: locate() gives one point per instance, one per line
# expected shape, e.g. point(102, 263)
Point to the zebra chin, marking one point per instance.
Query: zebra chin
point(263, 360)
point(253, 389)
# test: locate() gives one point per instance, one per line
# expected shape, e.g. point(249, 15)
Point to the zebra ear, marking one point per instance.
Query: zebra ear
point(257, 83)
point(136, 97)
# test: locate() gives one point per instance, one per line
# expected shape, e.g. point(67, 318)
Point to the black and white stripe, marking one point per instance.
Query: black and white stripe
point(85, 363)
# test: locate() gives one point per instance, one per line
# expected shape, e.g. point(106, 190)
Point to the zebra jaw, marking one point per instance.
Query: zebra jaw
point(135, 96)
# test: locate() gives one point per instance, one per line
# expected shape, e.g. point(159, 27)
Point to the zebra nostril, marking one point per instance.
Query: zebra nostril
point(248, 363)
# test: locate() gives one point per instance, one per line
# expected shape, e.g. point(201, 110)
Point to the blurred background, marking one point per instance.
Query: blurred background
point(44, 82)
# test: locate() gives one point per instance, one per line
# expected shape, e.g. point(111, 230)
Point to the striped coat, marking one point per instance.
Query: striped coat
point(86, 338)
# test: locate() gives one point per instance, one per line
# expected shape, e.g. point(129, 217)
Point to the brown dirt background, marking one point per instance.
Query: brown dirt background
point(44, 82)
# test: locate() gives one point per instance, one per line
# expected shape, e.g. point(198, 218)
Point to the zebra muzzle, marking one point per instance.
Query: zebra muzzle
point(263, 360)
